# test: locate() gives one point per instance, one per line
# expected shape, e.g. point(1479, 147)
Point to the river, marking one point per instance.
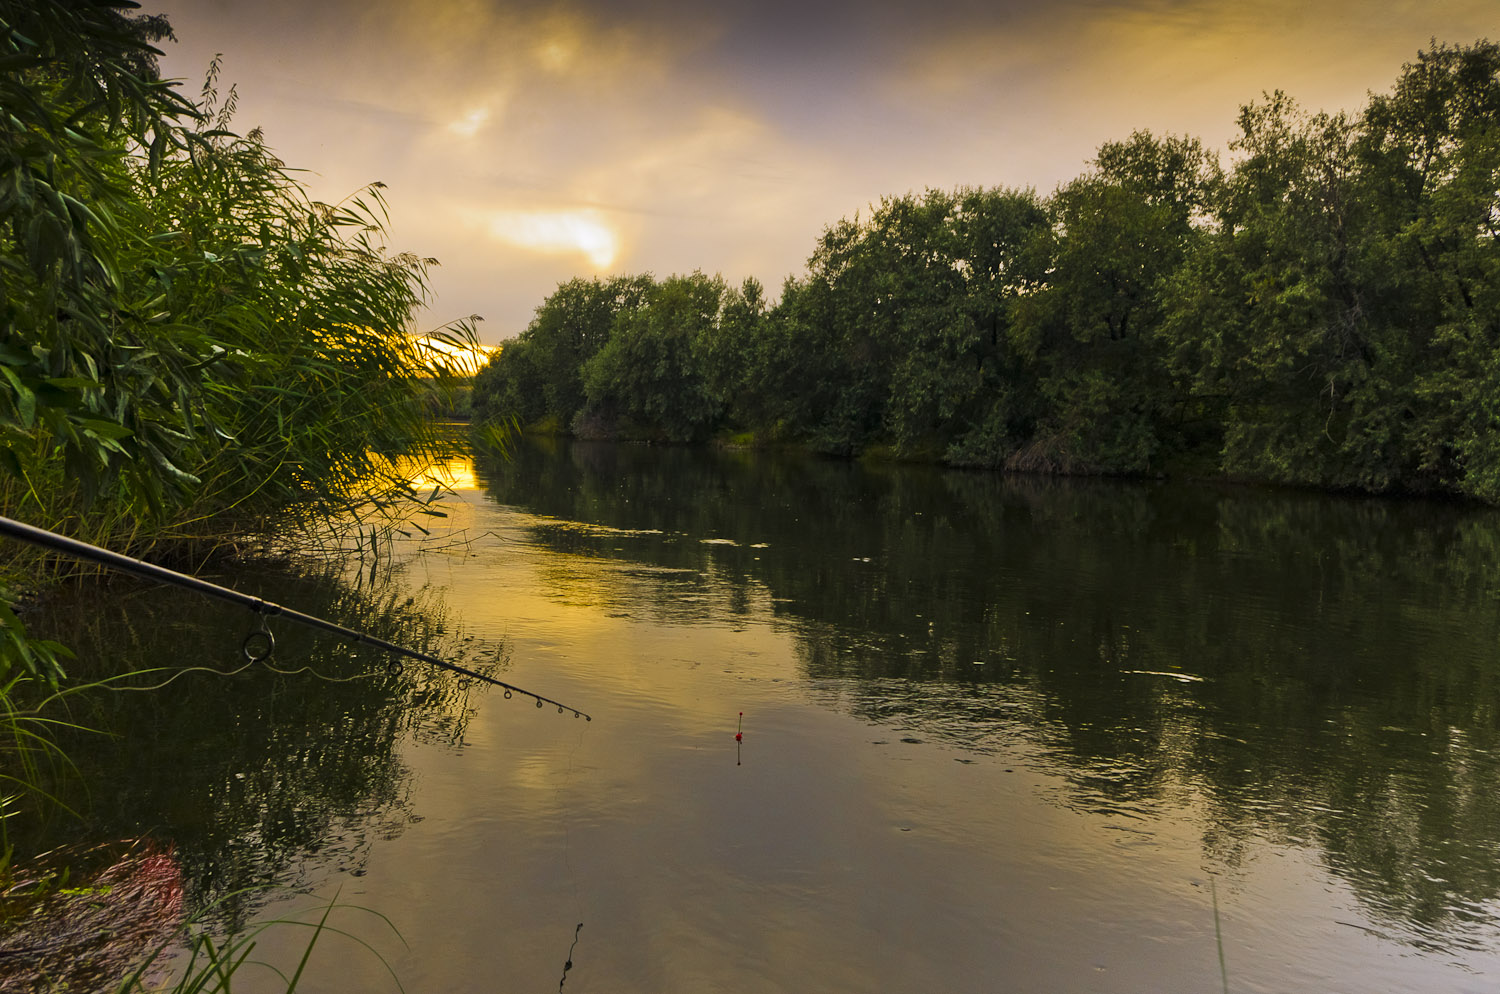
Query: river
point(998, 734)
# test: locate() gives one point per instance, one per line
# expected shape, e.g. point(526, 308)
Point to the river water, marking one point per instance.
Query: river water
point(999, 734)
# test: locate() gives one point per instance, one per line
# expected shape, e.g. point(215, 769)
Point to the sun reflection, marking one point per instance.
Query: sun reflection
point(451, 474)
point(581, 231)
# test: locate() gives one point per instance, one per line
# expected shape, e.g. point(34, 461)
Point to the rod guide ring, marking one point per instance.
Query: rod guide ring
point(258, 645)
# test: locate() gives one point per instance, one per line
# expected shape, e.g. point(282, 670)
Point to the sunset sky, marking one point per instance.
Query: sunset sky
point(526, 143)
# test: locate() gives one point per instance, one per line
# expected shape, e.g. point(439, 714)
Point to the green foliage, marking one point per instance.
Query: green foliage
point(953, 354)
point(510, 386)
point(900, 330)
point(653, 368)
point(540, 374)
point(1292, 351)
point(191, 350)
point(1344, 312)
point(734, 358)
point(1107, 401)
point(35, 658)
point(1432, 151)
point(80, 95)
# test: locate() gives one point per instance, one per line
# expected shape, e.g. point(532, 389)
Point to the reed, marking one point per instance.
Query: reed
point(1213, 891)
point(196, 357)
point(206, 965)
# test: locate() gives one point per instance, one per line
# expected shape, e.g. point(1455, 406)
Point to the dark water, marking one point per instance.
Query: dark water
point(999, 735)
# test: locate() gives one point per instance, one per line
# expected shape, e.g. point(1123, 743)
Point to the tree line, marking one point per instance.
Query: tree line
point(1323, 309)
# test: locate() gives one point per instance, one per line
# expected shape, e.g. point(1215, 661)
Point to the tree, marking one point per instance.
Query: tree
point(1431, 151)
point(736, 357)
point(1107, 398)
point(958, 385)
point(543, 376)
point(653, 371)
point(897, 332)
point(1336, 310)
point(509, 386)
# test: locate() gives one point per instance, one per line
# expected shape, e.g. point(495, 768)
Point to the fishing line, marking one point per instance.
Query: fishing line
point(568, 855)
point(569, 964)
point(259, 643)
point(105, 683)
point(321, 676)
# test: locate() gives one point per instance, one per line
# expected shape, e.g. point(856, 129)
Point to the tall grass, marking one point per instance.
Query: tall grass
point(195, 356)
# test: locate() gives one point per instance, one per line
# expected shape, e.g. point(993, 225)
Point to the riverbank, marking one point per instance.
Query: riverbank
point(1184, 469)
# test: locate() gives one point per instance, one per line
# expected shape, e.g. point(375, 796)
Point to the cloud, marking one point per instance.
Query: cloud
point(584, 232)
point(524, 141)
point(469, 124)
point(1043, 87)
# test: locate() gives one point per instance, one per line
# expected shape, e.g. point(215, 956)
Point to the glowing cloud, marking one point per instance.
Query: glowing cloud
point(468, 125)
point(558, 233)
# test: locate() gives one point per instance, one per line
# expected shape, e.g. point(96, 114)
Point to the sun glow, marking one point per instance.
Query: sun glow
point(454, 355)
point(558, 232)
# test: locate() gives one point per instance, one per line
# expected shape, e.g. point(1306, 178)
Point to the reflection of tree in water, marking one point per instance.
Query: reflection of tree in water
point(1286, 666)
point(260, 777)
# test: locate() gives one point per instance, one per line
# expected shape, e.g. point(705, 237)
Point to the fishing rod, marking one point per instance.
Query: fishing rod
point(259, 644)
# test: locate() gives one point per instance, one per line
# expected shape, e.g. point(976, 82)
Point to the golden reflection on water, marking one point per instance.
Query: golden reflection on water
point(452, 474)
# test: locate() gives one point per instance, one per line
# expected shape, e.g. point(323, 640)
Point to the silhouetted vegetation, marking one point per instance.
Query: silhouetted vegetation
point(1321, 311)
